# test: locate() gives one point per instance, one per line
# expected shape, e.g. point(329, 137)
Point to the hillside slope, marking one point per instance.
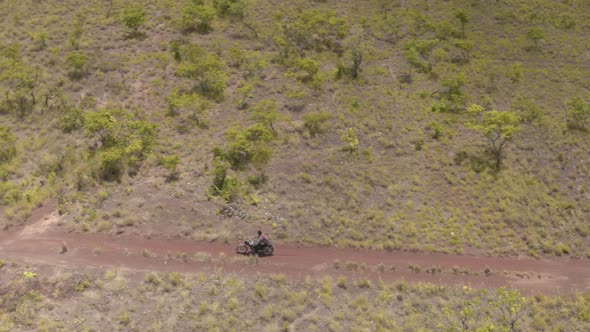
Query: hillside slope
point(212, 119)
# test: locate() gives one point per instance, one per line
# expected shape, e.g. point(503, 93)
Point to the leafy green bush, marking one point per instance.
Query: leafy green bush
point(579, 113)
point(235, 8)
point(204, 67)
point(7, 144)
point(225, 185)
point(77, 61)
point(266, 113)
point(314, 122)
point(170, 163)
point(70, 119)
point(197, 17)
point(315, 29)
point(133, 17)
point(249, 146)
point(123, 140)
point(188, 103)
point(349, 137)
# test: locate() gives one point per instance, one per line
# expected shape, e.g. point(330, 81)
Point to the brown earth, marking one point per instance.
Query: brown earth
point(35, 243)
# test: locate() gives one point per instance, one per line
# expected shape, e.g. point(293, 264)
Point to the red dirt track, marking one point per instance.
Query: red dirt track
point(35, 244)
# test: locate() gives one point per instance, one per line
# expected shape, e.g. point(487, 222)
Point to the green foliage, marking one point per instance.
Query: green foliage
point(315, 29)
point(19, 81)
point(197, 17)
point(511, 305)
point(424, 54)
point(204, 67)
point(536, 35)
point(123, 140)
point(498, 128)
point(170, 163)
point(349, 137)
point(314, 122)
point(462, 16)
point(252, 62)
point(77, 30)
point(133, 17)
point(357, 46)
point(190, 104)
point(310, 67)
point(514, 73)
point(70, 119)
point(77, 61)
point(266, 113)
point(39, 39)
point(528, 109)
point(249, 146)
point(579, 112)
point(225, 185)
point(234, 8)
point(244, 92)
point(7, 144)
point(465, 47)
point(453, 99)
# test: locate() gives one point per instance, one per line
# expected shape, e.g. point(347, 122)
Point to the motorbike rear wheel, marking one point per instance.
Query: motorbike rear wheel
point(267, 251)
point(242, 249)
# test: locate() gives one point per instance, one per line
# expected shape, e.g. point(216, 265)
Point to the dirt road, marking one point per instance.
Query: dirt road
point(36, 243)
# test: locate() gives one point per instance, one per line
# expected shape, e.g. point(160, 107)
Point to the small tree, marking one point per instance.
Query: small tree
point(536, 35)
point(314, 121)
point(462, 16)
point(514, 73)
point(197, 17)
point(133, 17)
point(349, 137)
point(190, 103)
point(77, 61)
point(498, 128)
point(580, 113)
point(511, 306)
point(357, 45)
point(266, 112)
point(7, 144)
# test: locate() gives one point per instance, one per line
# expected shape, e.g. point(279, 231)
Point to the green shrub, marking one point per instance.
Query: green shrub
point(314, 122)
point(7, 144)
point(197, 17)
point(133, 17)
point(249, 146)
point(235, 8)
point(77, 61)
point(204, 67)
point(190, 104)
point(579, 113)
point(70, 119)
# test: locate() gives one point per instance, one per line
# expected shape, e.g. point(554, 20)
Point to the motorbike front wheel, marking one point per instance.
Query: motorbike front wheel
point(242, 249)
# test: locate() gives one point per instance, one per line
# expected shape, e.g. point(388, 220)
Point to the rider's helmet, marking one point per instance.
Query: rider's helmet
point(259, 233)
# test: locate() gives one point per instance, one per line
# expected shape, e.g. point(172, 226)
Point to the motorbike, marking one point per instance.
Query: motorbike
point(248, 249)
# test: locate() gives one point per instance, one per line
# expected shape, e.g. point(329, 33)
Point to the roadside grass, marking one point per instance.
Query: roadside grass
point(53, 298)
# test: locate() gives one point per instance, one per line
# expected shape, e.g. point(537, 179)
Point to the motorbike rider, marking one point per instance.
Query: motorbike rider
point(260, 243)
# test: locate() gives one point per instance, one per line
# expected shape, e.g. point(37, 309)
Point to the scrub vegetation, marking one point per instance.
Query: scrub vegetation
point(454, 126)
